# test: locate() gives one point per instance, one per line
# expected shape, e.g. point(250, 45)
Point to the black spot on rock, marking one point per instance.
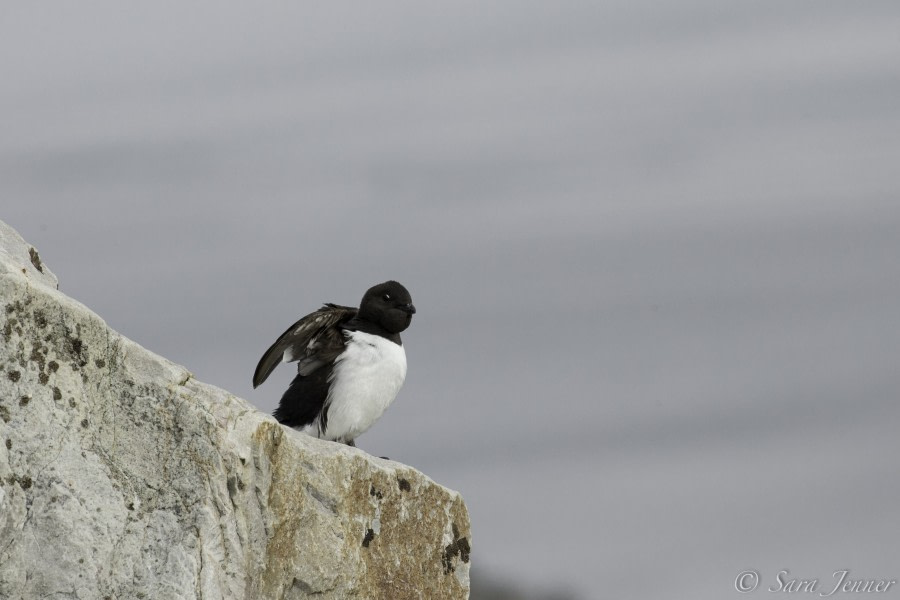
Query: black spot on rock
point(24, 400)
point(43, 378)
point(375, 492)
point(100, 363)
point(85, 423)
point(458, 547)
point(8, 443)
point(13, 376)
point(36, 259)
point(370, 535)
point(37, 357)
point(464, 549)
point(24, 482)
point(404, 485)
point(53, 366)
point(76, 348)
point(57, 394)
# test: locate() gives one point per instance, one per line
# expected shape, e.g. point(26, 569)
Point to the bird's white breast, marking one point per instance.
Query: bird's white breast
point(365, 380)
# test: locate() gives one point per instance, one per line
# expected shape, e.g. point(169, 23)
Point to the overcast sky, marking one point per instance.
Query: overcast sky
point(653, 247)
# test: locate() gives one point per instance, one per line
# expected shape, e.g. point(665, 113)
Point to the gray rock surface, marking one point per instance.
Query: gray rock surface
point(122, 477)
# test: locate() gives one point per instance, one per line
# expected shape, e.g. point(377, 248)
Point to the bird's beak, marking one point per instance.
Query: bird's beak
point(409, 308)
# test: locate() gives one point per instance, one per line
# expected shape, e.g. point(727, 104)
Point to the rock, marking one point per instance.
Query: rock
point(123, 477)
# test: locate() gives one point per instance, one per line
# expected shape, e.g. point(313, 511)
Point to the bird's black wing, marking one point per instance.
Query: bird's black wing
point(313, 341)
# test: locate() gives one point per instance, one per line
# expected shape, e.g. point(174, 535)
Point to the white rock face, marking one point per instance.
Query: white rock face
point(122, 477)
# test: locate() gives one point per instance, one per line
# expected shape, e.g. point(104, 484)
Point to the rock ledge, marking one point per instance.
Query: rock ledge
point(123, 477)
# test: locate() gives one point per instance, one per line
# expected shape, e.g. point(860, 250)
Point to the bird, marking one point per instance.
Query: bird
point(350, 364)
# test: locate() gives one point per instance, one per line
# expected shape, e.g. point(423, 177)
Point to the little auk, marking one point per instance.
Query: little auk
point(350, 364)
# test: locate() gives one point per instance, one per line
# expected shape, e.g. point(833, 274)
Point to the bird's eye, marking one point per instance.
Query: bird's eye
point(387, 296)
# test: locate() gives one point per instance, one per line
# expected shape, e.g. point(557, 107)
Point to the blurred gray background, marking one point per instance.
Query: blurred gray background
point(655, 248)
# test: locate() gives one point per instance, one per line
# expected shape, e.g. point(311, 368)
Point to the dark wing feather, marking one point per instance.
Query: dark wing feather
point(312, 341)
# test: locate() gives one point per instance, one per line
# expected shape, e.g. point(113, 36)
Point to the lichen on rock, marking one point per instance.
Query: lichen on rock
point(121, 476)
